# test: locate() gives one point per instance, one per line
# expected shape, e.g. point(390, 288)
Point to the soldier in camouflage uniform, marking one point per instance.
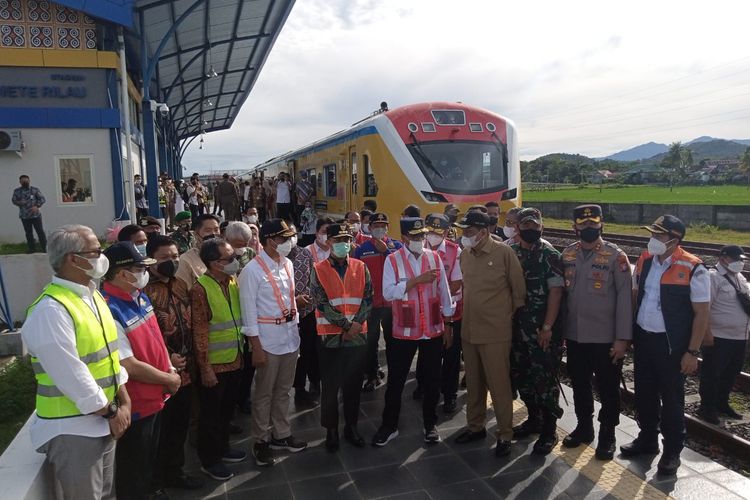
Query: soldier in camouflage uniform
point(537, 337)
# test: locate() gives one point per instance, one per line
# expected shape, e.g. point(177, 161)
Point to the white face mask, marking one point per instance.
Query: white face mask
point(252, 219)
point(735, 267)
point(141, 280)
point(656, 247)
point(356, 226)
point(294, 240)
point(378, 233)
point(240, 251)
point(141, 249)
point(434, 239)
point(99, 266)
point(467, 242)
point(416, 246)
point(232, 268)
point(284, 248)
point(509, 231)
point(366, 228)
point(322, 239)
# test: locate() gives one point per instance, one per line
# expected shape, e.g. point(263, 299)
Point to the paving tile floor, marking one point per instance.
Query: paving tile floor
point(407, 468)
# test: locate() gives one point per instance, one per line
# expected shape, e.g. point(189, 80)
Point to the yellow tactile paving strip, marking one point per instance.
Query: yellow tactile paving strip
point(610, 476)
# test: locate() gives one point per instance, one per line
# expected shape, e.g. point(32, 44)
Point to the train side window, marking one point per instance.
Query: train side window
point(312, 177)
point(371, 187)
point(330, 180)
point(354, 173)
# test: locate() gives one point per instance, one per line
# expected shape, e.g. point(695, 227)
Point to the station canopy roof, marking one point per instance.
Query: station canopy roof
point(209, 64)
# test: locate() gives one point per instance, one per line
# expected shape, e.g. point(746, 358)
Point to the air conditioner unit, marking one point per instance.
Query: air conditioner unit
point(10, 140)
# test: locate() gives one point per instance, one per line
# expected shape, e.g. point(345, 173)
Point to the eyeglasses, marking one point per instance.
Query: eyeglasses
point(228, 260)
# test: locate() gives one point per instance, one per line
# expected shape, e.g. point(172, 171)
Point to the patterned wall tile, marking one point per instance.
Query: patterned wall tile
point(45, 24)
point(12, 36)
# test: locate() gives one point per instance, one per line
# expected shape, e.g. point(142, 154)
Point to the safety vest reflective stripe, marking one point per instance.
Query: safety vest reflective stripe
point(224, 327)
point(96, 345)
point(347, 300)
point(345, 295)
point(276, 291)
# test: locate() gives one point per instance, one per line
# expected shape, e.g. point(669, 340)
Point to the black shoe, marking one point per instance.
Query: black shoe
point(578, 437)
point(185, 482)
point(369, 386)
point(288, 443)
point(605, 447)
point(545, 444)
point(418, 394)
point(431, 435)
point(314, 391)
point(218, 471)
point(502, 449)
point(332, 440)
point(467, 436)
point(708, 415)
point(668, 464)
point(450, 406)
point(729, 412)
point(383, 436)
point(639, 447)
point(233, 455)
point(302, 398)
point(235, 429)
point(352, 435)
point(527, 427)
point(263, 454)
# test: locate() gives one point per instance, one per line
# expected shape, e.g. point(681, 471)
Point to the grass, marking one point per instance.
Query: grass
point(18, 389)
point(12, 248)
point(698, 232)
point(680, 195)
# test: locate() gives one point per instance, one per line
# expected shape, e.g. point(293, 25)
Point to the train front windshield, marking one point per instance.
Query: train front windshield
point(462, 167)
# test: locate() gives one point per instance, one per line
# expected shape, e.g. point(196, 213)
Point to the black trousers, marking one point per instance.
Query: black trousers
point(31, 225)
point(175, 421)
point(400, 354)
point(135, 458)
point(451, 366)
point(341, 369)
point(247, 374)
point(722, 362)
point(284, 211)
point(585, 360)
point(308, 367)
point(659, 391)
point(380, 317)
point(216, 407)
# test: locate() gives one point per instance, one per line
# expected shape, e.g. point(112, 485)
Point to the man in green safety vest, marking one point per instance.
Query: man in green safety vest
point(82, 405)
point(217, 320)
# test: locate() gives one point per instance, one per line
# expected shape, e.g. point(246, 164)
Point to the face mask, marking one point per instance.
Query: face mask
point(468, 242)
point(208, 237)
point(232, 268)
point(530, 235)
point(416, 246)
point(99, 266)
point(252, 219)
point(493, 220)
point(735, 267)
point(379, 233)
point(509, 231)
point(589, 234)
point(24, 184)
point(322, 239)
point(453, 218)
point(656, 247)
point(341, 249)
point(434, 239)
point(284, 248)
point(168, 268)
point(141, 249)
point(356, 227)
point(240, 251)
point(185, 227)
point(141, 280)
point(366, 228)
point(294, 241)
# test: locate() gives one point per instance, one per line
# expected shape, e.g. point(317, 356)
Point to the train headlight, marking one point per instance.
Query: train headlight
point(490, 127)
point(412, 127)
point(434, 197)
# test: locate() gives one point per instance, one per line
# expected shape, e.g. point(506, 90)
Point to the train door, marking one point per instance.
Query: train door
point(353, 189)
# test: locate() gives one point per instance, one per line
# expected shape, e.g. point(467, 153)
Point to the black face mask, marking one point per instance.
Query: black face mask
point(208, 237)
point(493, 220)
point(530, 236)
point(168, 268)
point(589, 234)
point(453, 218)
point(24, 184)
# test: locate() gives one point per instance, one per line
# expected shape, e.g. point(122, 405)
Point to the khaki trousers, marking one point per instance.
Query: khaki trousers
point(488, 368)
point(270, 402)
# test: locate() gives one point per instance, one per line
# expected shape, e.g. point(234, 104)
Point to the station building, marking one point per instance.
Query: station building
point(189, 66)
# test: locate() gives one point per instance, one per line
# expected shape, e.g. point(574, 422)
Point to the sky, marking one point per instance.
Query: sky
point(580, 76)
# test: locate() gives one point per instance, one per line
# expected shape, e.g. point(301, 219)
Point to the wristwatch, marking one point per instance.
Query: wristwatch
point(546, 327)
point(694, 353)
point(112, 409)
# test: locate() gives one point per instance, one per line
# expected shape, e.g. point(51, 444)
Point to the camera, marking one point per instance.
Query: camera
point(162, 108)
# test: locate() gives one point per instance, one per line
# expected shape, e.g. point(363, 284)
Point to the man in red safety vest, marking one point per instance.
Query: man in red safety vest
point(415, 282)
point(343, 293)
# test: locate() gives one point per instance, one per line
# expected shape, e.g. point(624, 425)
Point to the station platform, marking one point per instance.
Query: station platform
point(407, 468)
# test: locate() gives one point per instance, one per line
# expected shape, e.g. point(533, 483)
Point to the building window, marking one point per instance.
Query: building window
point(75, 178)
point(330, 180)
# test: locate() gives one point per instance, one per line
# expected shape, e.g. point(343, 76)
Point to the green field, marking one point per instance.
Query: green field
point(680, 195)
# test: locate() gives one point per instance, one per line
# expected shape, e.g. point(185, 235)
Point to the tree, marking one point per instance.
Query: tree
point(745, 165)
point(678, 159)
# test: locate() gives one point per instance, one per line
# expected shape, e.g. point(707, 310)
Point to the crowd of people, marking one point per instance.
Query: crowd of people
point(159, 339)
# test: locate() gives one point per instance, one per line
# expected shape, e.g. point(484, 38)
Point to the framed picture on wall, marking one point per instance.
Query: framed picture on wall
point(75, 180)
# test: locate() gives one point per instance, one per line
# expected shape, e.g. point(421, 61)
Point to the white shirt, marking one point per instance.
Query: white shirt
point(192, 192)
point(396, 290)
point(257, 298)
point(282, 192)
point(728, 320)
point(319, 254)
point(650, 317)
point(50, 336)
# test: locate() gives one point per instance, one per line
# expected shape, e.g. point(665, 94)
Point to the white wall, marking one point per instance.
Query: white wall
point(24, 276)
point(38, 162)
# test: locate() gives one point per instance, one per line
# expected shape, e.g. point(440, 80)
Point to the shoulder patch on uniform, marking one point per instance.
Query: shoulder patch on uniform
point(623, 262)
